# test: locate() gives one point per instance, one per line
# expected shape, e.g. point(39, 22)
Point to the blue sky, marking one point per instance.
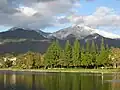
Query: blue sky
point(90, 6)
point(86, 8)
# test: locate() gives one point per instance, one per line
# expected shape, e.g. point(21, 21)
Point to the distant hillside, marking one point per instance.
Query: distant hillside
point(21, 34)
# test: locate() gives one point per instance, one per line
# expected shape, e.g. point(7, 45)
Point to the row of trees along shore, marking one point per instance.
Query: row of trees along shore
point(72, 56)
point(88, 56)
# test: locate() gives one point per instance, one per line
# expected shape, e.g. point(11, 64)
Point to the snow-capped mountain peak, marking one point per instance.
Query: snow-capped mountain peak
point(101, 32)
point(81, 31)
point(107, 34)
point(78, 31)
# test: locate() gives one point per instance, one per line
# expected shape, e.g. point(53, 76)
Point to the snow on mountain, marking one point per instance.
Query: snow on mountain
point(78, 31)
point(107, 34)
point(81, 31)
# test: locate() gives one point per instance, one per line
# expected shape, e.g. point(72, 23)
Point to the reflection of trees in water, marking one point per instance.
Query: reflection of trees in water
point(13, 79)
point(29, 81)
point(34, 85)
point(5, 81)
point(53, 81)
point(19, 82)
point(116, 81)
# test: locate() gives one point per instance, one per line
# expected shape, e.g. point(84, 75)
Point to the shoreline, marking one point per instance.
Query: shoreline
point(64, 70)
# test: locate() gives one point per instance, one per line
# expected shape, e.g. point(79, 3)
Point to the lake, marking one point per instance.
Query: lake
point(58, 81)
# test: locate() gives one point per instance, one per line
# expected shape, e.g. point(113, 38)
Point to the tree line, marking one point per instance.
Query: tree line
point(89, 55)
point(86, 56)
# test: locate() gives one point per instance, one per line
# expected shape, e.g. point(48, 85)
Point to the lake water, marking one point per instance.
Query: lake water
point(58, 81)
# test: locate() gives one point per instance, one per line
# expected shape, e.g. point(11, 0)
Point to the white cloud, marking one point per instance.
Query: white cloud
point(103, 16)
point(27, 11)
point(33, 13)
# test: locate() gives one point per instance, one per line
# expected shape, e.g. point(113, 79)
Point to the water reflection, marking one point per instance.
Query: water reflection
point(59, 81)
point(116, 81)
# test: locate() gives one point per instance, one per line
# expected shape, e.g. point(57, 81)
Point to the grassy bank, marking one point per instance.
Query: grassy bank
point(65, 70)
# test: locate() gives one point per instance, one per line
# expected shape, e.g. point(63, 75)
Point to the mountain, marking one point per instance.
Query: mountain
point(21, 40)
point(44, 34)
point(24, 46)
point(111, 42)
point(20, 34)
point(80, 32)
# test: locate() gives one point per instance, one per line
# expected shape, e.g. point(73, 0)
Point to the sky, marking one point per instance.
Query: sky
point(52, 15)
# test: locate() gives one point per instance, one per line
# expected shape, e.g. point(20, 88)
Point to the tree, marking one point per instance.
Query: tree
point(93, 48)
point(83, 57)
point(52, 55)
point(76, 54)
point(93, 53)
point(86, 57)
point(102, 57)
point(115, 57)
point(29, 59)
point(37, 60)
point(107, 55)
point(68, 53)
point(83, 49)
point(20, 62)
point(8, 63)
point(87, 46)
point(97, 49)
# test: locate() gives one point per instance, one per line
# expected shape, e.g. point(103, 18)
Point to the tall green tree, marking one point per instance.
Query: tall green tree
point(83, 49)
point(76, 54)
point(93, 48)
point(83, 57)
point(93, 53)
point(52, 55)
point(97, 48)
point(87, 46)
point(87, 58)
point(102, 57)
point(68, 54)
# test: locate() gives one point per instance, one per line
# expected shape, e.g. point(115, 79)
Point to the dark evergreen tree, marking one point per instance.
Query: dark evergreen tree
point(83, 49)
point(52, 55)
point(76, 54)
point(68, 54)
point(93, 48)
point(87, 60)
point(102, 57)
point(83, 57)
point(87, 46)
point(97, 49)
point(93, 53)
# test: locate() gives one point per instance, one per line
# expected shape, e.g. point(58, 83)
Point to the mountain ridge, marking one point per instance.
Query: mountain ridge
point(81, 31)
point(23, 40)
point(78, 31)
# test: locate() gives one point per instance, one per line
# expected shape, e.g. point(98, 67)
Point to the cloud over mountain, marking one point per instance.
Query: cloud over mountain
point(102, 17)
point(34, 13)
